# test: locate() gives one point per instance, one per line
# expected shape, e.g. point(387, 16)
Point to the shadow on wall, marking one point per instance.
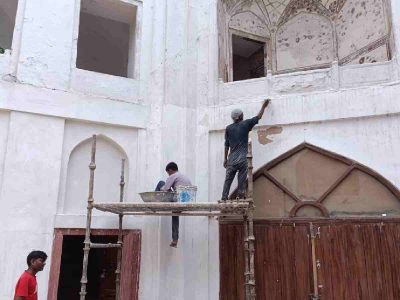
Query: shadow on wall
point(107, 176)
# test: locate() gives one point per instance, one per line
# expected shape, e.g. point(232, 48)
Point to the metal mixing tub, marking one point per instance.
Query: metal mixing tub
point(158, 197)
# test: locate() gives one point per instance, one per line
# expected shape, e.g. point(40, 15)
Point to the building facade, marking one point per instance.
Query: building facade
point(156, 81)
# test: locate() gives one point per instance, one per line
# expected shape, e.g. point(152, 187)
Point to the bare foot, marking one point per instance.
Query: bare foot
point(174, 244)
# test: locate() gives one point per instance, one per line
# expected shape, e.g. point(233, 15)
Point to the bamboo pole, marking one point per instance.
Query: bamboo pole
point(251, 282)
point(103, 246)
point(119, 255)
point(250, 171)
point(86, 249)
point(246, 257)
point(313, 235)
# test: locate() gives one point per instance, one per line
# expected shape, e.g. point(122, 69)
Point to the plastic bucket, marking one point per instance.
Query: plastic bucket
point(186, 193)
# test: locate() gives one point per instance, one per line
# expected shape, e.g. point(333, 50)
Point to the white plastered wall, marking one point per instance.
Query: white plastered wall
point(29, 188)
point(175, 110)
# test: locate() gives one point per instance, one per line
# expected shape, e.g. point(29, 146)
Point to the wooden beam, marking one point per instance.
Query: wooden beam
point(336, 183)
point(281, 186)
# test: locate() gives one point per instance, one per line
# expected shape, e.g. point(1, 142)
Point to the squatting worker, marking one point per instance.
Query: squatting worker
point(236, 139)
point(175, 179)
point(26, 288)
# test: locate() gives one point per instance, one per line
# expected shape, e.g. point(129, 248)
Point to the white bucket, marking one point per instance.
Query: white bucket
point(186, 193)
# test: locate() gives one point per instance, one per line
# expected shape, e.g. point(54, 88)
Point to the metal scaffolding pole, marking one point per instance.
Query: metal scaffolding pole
point(246, 257)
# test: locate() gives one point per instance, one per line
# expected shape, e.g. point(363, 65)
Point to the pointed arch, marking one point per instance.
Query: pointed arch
point(101, 137)
point(108, 164)
point(334, 185)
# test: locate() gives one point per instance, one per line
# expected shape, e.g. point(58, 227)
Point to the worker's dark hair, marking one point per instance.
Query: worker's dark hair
point(171, 166)
point(35, 255)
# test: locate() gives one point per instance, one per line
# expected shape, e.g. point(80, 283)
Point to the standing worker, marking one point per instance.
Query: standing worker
point(236, 139)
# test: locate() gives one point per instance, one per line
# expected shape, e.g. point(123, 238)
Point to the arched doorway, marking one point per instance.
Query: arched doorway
point(326, 228)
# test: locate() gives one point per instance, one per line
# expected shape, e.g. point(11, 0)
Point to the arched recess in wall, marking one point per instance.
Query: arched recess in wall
point(305, 41)
point(107, 174)
point(363, 32)
point(250, 45)
point(311, 182)
point(248, 22)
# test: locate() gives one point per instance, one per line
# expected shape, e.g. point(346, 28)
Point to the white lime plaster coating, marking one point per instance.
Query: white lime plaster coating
point(175, 108)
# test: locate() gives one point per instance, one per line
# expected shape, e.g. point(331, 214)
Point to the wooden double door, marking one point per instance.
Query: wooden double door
point(326, 260)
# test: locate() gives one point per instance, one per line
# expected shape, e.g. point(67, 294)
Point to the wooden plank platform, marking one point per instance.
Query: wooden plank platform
point(228, 208)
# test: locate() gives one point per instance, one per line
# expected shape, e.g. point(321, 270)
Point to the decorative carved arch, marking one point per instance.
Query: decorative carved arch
point(252, 13)
point(262, 23)
point(353, 39)
point(334, 197)
point(297, 6)
point(234, 8)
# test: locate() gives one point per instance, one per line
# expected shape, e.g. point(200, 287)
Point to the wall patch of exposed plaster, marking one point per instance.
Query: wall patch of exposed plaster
point(264, 134)
point(205, 121)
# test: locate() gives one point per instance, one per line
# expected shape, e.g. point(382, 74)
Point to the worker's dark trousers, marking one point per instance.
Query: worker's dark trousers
point(231, 170)
point(175, 219)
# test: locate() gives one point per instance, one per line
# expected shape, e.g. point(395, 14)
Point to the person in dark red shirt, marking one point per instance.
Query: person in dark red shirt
point(26, 288)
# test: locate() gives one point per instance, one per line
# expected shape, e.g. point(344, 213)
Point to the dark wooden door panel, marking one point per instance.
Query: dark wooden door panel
point(282, 262)
point(231, 262)
point(355, 261)
point(359, 261)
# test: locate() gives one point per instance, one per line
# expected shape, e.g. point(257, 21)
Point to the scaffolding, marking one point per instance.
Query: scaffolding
point(238, 208)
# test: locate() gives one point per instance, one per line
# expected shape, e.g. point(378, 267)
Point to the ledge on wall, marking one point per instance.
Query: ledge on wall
point(332, 78)
point(63, 104)
point(104, 85)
